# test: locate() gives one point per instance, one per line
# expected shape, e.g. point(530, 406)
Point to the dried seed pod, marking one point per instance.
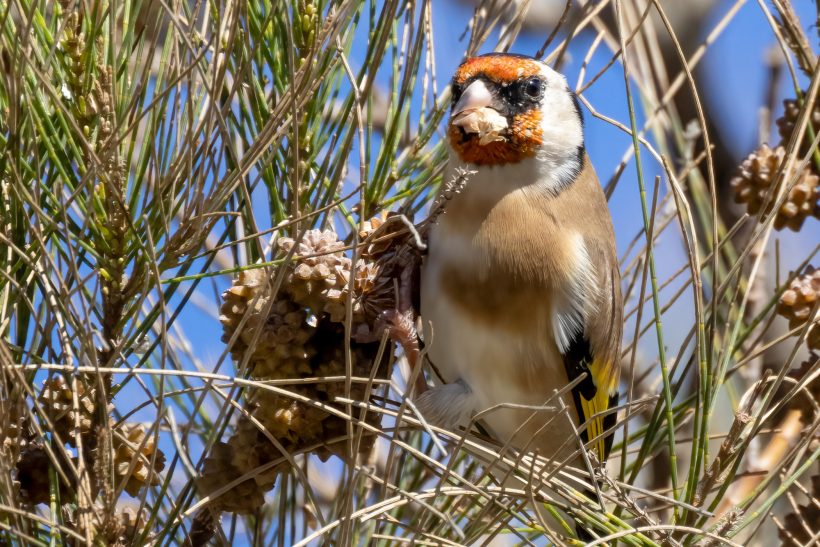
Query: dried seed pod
point(754, 186)
point(32, 474)
point(801, 526)
point(13, 428)
point(125, 528)
point(279, 332)
point(203, 527)
point(137, 459)
point(297, 424)
point(487, 123)
point(56, 399)
point(376, 290)
point(372, 294)
point(323, 283)
point(317, 266)
point(298, 334)
point(786, 124)
point(251, 450)
point(217, 472)
point(807, 400)
point(331, 362)
point(281, 348)
point(293, 423)
point(797, 305)
point(237, 298)
point(246, 451)
point(378, 232)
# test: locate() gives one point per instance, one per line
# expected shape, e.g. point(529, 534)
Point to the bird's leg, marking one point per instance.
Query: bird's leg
point(446, 405)
point(400, 322)
point(400, 327)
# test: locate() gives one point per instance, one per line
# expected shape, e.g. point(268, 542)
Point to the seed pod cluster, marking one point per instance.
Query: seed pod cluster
point(787, 123)
point(14, 434)
point(797, 304)
point(755, 184)
point(137, 460)
point(57, 401)
point(289, 325)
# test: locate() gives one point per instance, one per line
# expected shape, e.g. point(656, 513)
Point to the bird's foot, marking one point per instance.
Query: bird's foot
point(447, 405)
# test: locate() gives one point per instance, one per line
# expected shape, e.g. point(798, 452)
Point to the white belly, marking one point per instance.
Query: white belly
point(489, 358)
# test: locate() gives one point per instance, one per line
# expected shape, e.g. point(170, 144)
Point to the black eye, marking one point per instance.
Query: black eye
point(533, 87)
point(456, 90)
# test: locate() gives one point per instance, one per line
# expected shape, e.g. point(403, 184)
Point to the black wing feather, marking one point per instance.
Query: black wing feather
point(577, 359)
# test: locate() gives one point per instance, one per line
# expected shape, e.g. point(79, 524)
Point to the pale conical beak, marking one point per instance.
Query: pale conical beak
point(474, 97)
point(474, 114)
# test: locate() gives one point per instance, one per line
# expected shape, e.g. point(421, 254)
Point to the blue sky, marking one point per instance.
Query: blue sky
point(736, 80)
point(736, 77)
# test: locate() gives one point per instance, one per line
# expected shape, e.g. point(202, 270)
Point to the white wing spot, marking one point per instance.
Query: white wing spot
point(572, 307)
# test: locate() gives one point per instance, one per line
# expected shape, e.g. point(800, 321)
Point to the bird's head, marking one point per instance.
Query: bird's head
point(507, 108)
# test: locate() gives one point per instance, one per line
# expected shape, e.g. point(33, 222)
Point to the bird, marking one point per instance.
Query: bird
point(520, 286)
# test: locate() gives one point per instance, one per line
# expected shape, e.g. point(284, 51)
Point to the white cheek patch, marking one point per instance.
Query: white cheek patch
point(572, 306)
point(562, 135)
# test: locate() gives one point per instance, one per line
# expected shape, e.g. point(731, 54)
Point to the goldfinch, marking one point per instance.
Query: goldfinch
point(520, 289)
